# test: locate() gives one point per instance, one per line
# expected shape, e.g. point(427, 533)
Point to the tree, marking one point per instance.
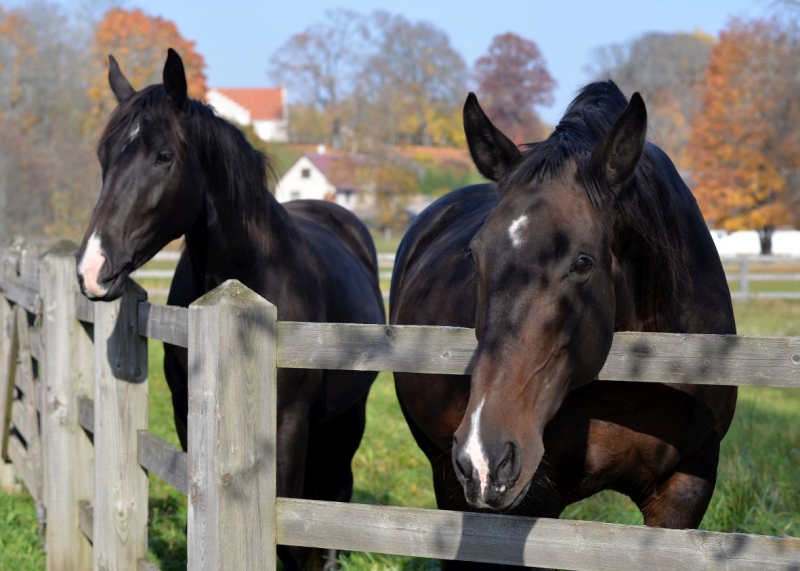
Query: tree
point(139, 42)
point(319, 63)
point(745, 147)
point(391, 180)
point(669, 72)
point(412, 83)
point(512, 78)
point(43, 151)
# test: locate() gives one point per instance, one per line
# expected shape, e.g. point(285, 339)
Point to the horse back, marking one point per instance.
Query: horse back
point(343, 223)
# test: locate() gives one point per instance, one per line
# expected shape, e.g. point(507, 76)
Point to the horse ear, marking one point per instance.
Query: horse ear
point(175, 79)
point(616, 156)
point(493, 153)
point(119, 84)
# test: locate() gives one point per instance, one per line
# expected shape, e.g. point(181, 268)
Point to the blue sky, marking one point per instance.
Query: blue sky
point(238, 36)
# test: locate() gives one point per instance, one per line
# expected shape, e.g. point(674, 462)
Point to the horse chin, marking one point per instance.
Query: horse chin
point(506, 505)
point(112, 290)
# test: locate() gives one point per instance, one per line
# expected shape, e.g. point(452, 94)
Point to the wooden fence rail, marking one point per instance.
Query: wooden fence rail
point(744, 275)
point(94, 388)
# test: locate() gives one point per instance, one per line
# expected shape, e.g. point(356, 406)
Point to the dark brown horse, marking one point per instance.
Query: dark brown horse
point(586, 233)
point(172, 168)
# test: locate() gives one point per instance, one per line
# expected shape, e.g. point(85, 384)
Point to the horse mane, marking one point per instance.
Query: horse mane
point(219, 144)
point(646, 202)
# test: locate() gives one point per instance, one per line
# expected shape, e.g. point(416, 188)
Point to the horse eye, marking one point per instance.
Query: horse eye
point(582, 266)
point(164, 157)
point(470, 256)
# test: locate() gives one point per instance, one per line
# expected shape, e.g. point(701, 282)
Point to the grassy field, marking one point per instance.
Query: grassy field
point(757, 492)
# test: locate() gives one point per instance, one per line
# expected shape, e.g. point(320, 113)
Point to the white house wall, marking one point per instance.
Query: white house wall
point(269, 130)
point(293, 186)
point(228, 108)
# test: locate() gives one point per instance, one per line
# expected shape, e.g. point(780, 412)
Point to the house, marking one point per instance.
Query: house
point(324, 176)
point(266, 109)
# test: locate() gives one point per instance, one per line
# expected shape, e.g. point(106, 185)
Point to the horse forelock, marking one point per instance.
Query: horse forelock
point(151, 104)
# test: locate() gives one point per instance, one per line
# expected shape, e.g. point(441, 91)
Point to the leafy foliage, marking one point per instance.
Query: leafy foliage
point(511, 79)
point(668, 70)
point(745, 147)
point(139, 42)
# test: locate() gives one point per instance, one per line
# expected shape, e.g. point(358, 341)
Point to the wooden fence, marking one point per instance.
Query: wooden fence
point(385, 264)
point(74, 424)
point(744, 270)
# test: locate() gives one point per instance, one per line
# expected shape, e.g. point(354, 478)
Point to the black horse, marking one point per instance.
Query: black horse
point(586, 233)
point(172, 168)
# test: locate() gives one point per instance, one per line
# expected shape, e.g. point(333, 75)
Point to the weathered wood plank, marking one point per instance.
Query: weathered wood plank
point(23, 464)
point(19, 418)
point(164, 460)
point(165, 322)
point(68, 371)
point(24, 293)
point(86, 521)
point(35, 338)
point(84, 308)
point(32, 430)
point(86, 414)
point(538, 542)
point(9, 482)
point(640, 357)
point(120, 411)
point(232, 425)
point(647, 357)
point(8, 369)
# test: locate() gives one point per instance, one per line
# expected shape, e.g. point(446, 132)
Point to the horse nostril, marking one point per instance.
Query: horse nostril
point(508, 465)
point(463, 465)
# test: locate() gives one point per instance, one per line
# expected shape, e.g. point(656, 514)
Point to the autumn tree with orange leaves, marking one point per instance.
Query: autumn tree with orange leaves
point(139, 42)
point(745, 148)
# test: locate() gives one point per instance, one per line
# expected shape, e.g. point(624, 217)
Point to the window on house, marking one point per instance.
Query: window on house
point(305, 173)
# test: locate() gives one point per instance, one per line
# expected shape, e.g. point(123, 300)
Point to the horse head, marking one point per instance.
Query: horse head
point(546, 295)
point(150, 185)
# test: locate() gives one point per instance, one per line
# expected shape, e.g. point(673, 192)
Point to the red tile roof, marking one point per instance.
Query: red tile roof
point(263, 103)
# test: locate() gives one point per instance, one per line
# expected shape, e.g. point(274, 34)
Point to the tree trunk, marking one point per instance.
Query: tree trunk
point(765, 235)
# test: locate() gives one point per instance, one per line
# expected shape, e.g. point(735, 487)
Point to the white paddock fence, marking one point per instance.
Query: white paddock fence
point(385, 264)
point(73, 414)
point(744, 270)
point(740, 270)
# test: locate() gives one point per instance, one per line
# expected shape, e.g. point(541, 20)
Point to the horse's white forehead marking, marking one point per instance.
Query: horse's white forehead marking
point(131, 135)
point(474, 448)
point(515, 230)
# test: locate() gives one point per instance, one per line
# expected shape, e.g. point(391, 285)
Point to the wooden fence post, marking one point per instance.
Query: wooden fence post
point(120, 411)
point(232, 420)
point(744, 282)
point(8, 364)
point(68, 366)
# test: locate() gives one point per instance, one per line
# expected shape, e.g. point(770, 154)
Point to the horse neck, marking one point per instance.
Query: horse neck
point(646, 301)
point(230, 241)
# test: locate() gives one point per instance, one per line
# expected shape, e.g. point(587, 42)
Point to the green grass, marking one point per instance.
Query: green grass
point(757, 491)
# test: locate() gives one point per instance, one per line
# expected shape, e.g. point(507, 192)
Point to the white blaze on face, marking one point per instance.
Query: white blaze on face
point(474, 448)
point(91, 265)
point(515, 230)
